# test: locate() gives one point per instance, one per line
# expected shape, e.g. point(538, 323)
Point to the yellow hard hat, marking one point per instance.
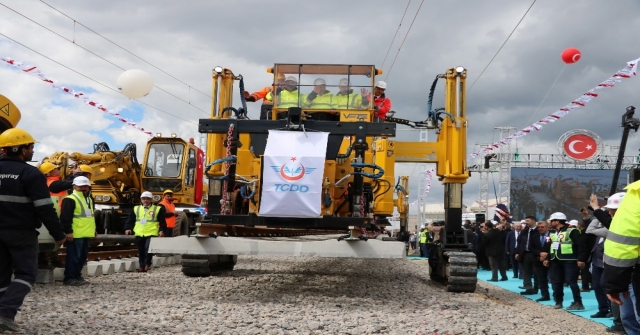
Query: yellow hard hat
point(46, 167)
point(85, 168)
point(280, 76)
point(15, 137)
point(167, 191)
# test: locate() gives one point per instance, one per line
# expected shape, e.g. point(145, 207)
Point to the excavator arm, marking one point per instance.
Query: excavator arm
point(116, 174)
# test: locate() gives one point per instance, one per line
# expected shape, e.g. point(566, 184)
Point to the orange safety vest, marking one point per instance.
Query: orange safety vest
point(56, 197)
point(169, 208)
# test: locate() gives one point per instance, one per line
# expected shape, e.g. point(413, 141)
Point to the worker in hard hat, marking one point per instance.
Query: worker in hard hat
point(79, 223)
point(147, 220)
point(346, 98)
point(381, 104)
point(264, 95)
point(66, 186)
point(289, 96)
point(170, 212)
point(25, 204)
point(52, 173)
point(320, 98)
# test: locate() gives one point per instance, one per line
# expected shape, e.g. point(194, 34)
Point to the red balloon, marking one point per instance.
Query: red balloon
point(570, 55)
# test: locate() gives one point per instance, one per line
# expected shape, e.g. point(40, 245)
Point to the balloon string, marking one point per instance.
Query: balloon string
point(545, 97)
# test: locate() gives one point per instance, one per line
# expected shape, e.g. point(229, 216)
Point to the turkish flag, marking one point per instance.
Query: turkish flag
point(580, 146)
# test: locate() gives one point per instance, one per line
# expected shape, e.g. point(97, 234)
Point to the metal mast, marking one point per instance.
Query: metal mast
point(504, 167)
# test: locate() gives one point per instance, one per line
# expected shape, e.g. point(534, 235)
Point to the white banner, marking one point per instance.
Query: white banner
point(292, 174)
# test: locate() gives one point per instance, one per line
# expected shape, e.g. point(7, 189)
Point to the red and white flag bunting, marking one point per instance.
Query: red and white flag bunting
point(583, 100)
point(33, 70)
point(428, 175)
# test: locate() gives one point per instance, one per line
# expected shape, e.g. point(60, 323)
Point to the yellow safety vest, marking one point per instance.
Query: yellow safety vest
point(286, 99)
point(84, 223)
point(347, 101)
point(565, 251)
point(423, 236)
point(324, 101)
point(622, 246)
point(146, 221)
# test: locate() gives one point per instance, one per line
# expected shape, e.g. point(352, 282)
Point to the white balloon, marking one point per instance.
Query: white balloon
point(135, 83)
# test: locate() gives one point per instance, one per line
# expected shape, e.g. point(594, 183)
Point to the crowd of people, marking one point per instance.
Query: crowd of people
point(556, 253)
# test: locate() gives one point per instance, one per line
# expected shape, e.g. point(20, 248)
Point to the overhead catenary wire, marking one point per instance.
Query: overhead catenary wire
point(395, 35)
point(94, 80)
point(95, 54)
point(404, 39)
point(124, 49)
point(505, 42)
point(546, 95)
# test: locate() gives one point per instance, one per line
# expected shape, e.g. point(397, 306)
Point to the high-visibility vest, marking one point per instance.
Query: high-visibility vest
point(621, 246)
point(423, 236)
point(56, 197)
point(286, 99)
point(146, 221)
point(347, 101)
point(565, 250)
point(169, 207)
point(84, 222)
point(324, 101)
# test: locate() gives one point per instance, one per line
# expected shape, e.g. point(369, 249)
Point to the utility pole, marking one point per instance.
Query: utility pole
point(422, 180)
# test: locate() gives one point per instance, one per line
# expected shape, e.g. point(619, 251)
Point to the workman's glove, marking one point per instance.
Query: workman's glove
point(278, 90)
point(312, 96)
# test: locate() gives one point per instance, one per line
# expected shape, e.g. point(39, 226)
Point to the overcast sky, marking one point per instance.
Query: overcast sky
point(187, 39)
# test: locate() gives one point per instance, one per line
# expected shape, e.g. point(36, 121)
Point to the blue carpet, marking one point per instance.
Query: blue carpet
point(588, 298)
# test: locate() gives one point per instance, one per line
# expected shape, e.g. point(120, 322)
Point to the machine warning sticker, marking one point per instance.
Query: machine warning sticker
point(5, 109)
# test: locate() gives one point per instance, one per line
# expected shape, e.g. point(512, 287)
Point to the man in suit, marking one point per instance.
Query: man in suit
point(511, 246)
point(528, 252)
point(541, 271)
point(494, 247)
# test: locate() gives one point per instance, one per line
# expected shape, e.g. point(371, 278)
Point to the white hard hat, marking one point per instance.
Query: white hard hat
point(319, 81)
point(614, 201)
point(81, 181)
point(573, 222)
point(422, 227)
point(558, 216)
point(146, 194)
point(343, 82)
point(381, 84)
point(292, 78)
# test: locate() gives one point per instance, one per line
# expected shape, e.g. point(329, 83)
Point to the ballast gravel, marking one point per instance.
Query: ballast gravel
point(289, 295)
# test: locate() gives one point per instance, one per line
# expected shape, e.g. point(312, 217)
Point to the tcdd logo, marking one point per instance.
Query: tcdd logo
point(292, 173)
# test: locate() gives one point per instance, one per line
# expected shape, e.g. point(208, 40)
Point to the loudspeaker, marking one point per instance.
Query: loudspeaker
point(634, 175)
point(480, 218)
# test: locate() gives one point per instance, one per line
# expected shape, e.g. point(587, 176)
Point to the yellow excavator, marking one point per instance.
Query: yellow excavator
point(356, 194)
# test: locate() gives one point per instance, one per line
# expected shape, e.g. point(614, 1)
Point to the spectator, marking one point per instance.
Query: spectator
point(494, 247)
point(511, 246)
point(542, 271)
point(528, 251)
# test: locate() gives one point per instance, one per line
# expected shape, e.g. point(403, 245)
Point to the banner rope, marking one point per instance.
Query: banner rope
point(33, 70)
